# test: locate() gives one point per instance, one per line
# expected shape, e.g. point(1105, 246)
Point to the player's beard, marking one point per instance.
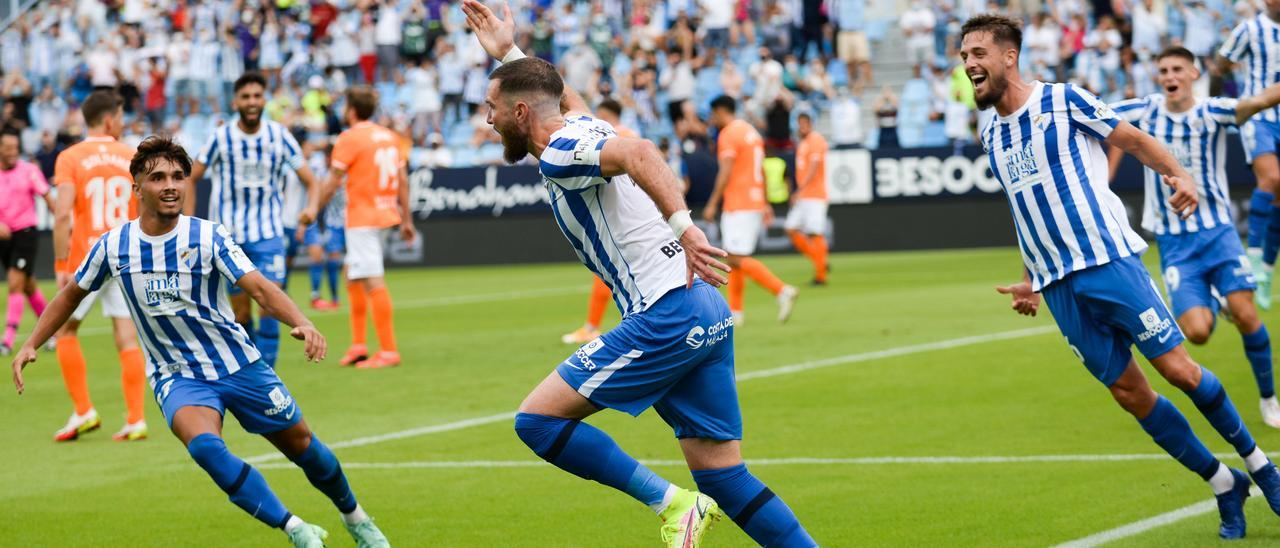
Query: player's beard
point(996, 86)
point(251, 121)
point(515, 146)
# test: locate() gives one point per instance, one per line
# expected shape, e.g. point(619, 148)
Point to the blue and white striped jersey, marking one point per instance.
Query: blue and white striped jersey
point(1198, 139)
point(612, 224)
point(248, 178)
point(1255, 43)
point(1048, 157)
point(174, 284)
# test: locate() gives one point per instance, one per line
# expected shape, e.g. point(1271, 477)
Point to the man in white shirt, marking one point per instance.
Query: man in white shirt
point(917, 27)
point(387, 37)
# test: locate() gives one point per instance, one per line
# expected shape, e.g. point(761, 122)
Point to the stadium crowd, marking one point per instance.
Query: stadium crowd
point(663, 60)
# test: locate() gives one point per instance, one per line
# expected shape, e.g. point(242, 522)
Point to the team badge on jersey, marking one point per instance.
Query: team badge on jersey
point(190, 256)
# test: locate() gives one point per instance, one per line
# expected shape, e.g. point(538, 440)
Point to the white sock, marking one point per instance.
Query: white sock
point(661, 507)
point(1222, 480)
point(293, 523)
point(355, 516)
point(1255, 460)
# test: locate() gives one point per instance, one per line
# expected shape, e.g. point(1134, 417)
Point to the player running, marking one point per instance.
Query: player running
point(249, 159)
point(1201, 256)
point(609, 112)
point(740, 183)
point(21, 183)
point(201, 362)
point(1253, 43)
point(95, 194)
point(674, 348)
point(807, 219)
point(1045, 148)
point(372, 162)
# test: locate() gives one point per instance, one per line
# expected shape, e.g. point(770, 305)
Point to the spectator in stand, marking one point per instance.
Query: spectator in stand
point(717, 17)
point(847, 110)
point(426, 105)
point(731, 80)
point(579, 68)
point(476, 84)
point(437, 155)
point(1201, 32)
point(104, 65)
point(344, 52)
point(1072, 44)
point(179, 66)
point(156, 100)
point(41, 63)
point(48, 112)
point(767, 74)
point(1042, 41)
point(367, 39)
point(1150, 26)
point(230, 66)
point(203, 73)
point(917, 28)
point(852, 46)
point(568, 31)
point(886, 109)
point(453, 73)
point(817, 84)
point(413, 42)
point(270, 56)
point(46, 156)
point(17, 91)
point(678, 79)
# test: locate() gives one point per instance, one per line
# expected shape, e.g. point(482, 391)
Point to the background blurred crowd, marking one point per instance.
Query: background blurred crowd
point(663, 60)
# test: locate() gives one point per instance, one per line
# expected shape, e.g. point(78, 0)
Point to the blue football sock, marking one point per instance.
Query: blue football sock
point(1257, 347)
point(759, 512)
point(333, 267)
point(316, 270)
point(1172, 432)
point(1259, 216)
point(585, 451)
point(243, 483)
point(325, 473)
point(1272, 242)
point(267, 339)
point(1212, 400)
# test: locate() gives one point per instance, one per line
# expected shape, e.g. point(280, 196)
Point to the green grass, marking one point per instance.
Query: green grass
point(469, 356)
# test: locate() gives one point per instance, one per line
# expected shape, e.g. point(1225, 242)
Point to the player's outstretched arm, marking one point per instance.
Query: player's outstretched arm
point(641, 159)
point(1249, 106)
point(1151, 153)
point(56, 314)
point(197, 173)
point(497, 37)
point(1025, 301)
point(328, 189)
point(277, 304)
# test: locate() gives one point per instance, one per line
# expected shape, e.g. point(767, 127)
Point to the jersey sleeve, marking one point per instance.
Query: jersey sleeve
point(1237, 45)
point(210, 153)
point(292, 151)
point(1222, 110)
point(344, 152)
point(1088, 114)
point(228, 258)
point(95, 269)
point(727, 145)
point(573, 163)
point(64, 169)
point(1131, 110)
point(39, 185)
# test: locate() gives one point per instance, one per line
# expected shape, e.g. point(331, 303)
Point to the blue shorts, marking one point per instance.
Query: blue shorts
point(254, 394)
point(1259, 138)
point(676, 357)
point(1104, 310)
point(1196, 261)
point(292, 247)
point(268, 255)
point(333, 239)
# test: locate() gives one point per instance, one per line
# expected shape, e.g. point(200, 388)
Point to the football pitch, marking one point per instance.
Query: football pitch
point(903, 405)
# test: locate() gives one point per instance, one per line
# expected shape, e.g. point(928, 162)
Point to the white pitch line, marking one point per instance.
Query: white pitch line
point(764, 373)
point(1142, 526)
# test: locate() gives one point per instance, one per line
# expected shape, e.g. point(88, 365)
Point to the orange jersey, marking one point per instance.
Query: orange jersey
point(811, 156)
point(98, 169)
point(741, 143)
point(372, 156)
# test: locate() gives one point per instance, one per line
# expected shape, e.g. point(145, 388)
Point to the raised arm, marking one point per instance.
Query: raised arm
point(56, 314)
point(1155, 156)
point(642, 160)
point(276, 303)
point(497, 37)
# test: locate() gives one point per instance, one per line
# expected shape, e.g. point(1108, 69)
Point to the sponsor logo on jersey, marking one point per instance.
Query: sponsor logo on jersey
point(1156, 326)
point(162, 288)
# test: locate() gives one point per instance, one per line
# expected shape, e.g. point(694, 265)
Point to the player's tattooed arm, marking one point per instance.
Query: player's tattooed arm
point(197, 173)
point(277, 304)
point(1154, 155)
point(1025, 301)
point(1249, 106)
point(642, 160)
point(56, 314)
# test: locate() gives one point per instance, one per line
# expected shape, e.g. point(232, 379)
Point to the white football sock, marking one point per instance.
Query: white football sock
point(660, 507)
point(293, 523)
point(1222, 480)
point(1255, 460)
point(355, 516)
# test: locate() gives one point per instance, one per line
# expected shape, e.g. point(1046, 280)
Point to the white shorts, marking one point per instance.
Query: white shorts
point(808, 216)
point(113, 305)
point(740, 230)
point(364, 253)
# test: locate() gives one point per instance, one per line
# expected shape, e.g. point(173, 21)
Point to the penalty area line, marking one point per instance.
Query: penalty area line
point(742, 377)
point(1142, 526)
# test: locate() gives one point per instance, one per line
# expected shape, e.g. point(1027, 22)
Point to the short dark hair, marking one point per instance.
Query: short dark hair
point(1005, 30)
point(724, 102)
point(11, 131)
point(99, 105)
point(155, 148)
point(363, 100)
point(804, 115)
point(528, 75)
point(611, 106)
point(1177, 51)
point(251, 77)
